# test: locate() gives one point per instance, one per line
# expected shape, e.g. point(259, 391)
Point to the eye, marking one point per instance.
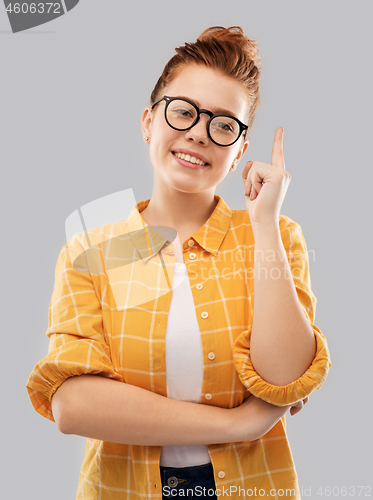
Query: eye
point(182, 112)
point(224, 126)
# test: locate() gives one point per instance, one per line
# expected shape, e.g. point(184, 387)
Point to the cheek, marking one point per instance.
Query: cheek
point(227, 159)
point(160, 149)
point(163, 138)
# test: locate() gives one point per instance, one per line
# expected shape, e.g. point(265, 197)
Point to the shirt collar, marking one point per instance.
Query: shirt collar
point(148, 241)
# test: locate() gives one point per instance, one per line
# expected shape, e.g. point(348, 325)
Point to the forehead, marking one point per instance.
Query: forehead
point(210, 89)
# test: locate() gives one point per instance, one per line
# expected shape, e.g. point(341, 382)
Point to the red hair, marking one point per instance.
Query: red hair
point(225, 49)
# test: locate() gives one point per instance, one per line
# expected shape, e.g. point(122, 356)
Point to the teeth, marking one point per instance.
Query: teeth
point(191, 159)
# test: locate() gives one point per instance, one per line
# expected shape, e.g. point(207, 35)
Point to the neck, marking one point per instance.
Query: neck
point(179, 209)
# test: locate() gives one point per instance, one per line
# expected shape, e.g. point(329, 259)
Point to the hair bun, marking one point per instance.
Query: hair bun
point(234, 35)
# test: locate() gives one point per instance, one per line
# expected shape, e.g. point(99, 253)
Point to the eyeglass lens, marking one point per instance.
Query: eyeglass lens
point(181, 115)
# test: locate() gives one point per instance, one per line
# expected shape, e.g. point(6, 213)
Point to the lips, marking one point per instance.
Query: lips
point(191, 154)
point(189, 164)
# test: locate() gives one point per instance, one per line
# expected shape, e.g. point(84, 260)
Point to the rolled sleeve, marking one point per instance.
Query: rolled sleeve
point(314, 377)
point(281, 395)
point(77, 344)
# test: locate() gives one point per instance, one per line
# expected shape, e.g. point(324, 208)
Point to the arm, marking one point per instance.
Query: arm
point(280, 342)
point(99, 408)
point(283, 344)
point(283, 356)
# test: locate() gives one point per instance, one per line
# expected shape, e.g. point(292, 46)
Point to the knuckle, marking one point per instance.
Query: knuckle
point(285, 175)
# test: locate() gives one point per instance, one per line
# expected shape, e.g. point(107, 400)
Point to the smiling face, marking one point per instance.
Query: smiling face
point(208, 89)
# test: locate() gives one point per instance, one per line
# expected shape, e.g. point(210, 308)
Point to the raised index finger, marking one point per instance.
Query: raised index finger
point(277, 157)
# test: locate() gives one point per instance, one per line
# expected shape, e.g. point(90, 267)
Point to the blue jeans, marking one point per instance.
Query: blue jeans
point(197, 482)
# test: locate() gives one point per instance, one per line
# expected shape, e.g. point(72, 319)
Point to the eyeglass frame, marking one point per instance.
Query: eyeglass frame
point(243, 127)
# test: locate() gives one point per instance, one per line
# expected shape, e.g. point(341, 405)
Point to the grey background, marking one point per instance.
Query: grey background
point(73, 91)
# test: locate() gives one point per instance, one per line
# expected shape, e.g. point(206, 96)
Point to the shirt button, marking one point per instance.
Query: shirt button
point(208, 396)
point(221, 474)
point(211, 355)
point(205, 315)
point(190, 243)
point(199, 286)
point(192, 256)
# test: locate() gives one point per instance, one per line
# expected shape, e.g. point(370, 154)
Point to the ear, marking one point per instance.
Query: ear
point(146, 121)
point(242, 151)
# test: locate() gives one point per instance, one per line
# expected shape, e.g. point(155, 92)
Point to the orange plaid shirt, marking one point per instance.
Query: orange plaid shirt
point(108, 316)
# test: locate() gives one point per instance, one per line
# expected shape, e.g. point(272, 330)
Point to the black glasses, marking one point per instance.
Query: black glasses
point(182, 114)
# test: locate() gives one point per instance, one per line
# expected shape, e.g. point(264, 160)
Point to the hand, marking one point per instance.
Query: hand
point(266, 185)
point(297, 408)
point(253, 419)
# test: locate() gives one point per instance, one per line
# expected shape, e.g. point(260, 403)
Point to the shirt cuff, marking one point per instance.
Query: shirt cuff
point(284, 395)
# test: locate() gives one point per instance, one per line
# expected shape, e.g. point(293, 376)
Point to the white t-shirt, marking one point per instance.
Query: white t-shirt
point(184, 364)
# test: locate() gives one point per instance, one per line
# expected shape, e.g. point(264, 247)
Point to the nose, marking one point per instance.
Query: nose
point(198, 133)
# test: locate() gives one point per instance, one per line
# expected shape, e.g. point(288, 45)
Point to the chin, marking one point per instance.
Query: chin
point(187, 187)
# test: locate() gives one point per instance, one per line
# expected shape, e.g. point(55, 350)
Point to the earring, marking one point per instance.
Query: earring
point(234, 165)
point(146, 138)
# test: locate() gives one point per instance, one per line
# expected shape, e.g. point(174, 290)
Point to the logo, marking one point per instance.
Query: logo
point(133, 258)
point(28, 14)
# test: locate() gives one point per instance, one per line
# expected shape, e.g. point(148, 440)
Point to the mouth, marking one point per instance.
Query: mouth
point(189, 160)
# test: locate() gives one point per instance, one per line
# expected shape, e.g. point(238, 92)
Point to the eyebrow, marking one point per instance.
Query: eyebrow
point(216, 111)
